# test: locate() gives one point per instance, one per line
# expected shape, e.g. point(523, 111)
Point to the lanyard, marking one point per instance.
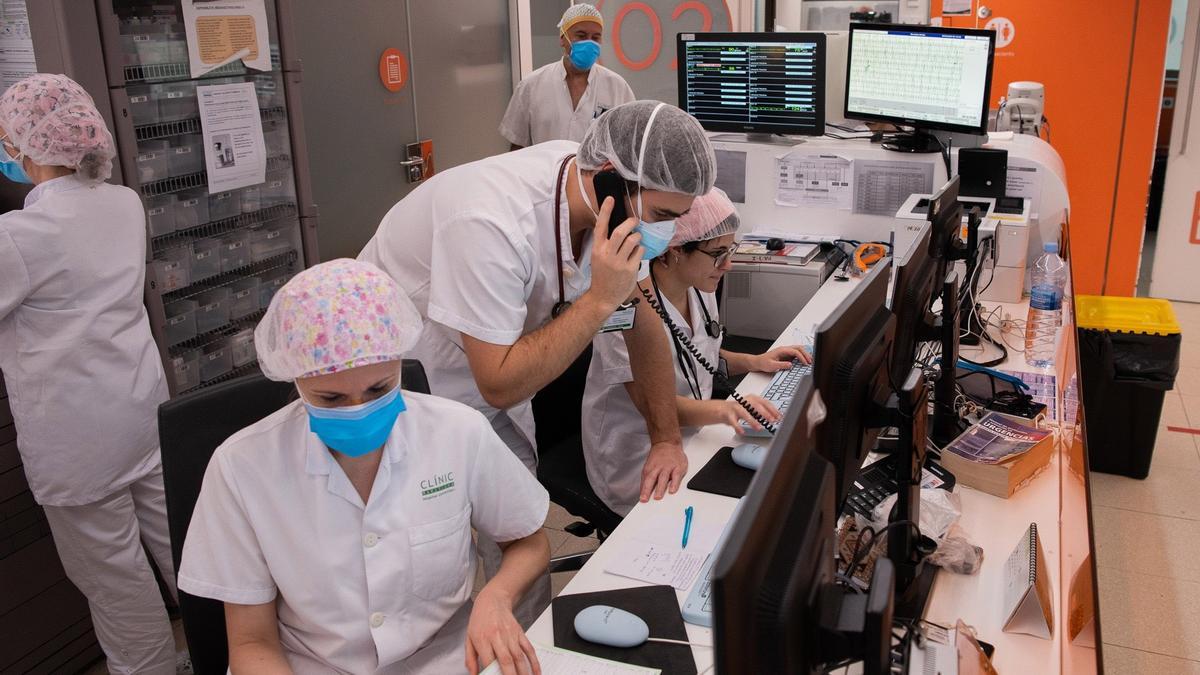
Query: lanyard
point(562, 304)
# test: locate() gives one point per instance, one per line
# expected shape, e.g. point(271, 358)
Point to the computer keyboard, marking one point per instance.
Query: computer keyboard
point(780, 392)
point(878, 481)
point(697, 609)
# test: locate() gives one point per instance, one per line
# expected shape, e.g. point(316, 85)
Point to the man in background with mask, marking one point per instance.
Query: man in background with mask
point(514, 266)
point(559, 100)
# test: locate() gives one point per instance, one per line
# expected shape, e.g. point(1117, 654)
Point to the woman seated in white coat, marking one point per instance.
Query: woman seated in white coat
point(683, 281)
point(337, 531)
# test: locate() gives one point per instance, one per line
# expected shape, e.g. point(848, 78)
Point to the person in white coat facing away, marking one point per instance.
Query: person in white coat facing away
point(337, 531)
point(84, 376)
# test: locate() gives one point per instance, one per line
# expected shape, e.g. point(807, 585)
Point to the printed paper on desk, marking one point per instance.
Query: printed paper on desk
point(814, 180)
point(662, 564)
point(1022, 181)
point(219, 33)
point(555, 661)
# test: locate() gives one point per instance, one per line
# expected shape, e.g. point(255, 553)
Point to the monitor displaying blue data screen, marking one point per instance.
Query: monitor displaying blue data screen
point(754, 82)
point(923, 76)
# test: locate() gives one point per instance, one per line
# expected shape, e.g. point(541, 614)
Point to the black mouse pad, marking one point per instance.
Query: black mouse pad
point(722, 477)
point(659, 608)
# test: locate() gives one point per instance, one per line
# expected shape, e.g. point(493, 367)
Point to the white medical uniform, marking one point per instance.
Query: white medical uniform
point(84, 381)
point(381, 587)
point(540, 109)
point(615, 440)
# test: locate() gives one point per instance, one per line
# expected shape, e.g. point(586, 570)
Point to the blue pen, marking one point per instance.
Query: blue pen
point(687, 524)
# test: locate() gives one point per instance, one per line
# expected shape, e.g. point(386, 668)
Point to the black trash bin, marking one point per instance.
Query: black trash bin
point(1128, 359)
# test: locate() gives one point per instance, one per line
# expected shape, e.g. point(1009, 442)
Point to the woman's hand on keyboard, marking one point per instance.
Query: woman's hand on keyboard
point(729, 411)
point(780, 358)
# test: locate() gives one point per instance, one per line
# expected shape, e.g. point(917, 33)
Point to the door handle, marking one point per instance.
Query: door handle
point(415, 161)
point(419, 163)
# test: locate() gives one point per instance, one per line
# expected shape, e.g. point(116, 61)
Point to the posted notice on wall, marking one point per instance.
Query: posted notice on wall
point(814, 180)
point(234, 150)
point(16, 44)
point(223, 31)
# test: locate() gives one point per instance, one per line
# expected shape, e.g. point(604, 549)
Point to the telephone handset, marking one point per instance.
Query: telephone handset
point(611, 184)
point(681, 340)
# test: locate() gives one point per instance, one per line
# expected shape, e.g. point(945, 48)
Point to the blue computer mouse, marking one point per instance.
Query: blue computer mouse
point(610, 626)
point(749, 456)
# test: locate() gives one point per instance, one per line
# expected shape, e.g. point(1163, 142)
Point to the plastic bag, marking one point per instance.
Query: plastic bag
point(1150, 361)
point(956, 553)
point(939, 510)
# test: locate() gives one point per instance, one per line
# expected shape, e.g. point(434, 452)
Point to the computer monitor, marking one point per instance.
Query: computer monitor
point(850, 352)
point(769, 83)
point(914, 287)
point(930, 78)
point(776, 605)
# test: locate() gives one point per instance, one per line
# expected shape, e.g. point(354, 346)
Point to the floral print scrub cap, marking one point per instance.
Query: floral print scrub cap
point(54, 122)
point(335, 316)
point(712, 215)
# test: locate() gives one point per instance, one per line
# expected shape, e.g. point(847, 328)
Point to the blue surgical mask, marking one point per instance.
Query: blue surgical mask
point(584, 54)
point(12, 169)
point(359, 429)
point(656, 236)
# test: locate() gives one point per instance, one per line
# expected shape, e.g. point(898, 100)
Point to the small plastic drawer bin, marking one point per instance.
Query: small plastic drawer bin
point(191, 209)
point(160, 214)
point(186, 155)
point(178, 101)
point(177, 51)
point(212, 311)
point(251, 199)
point(151, 161)
point(241, 348)
point(150, 45)
point(181, 321)
point(143, 106)
point(243, 297)
point(270, 286)
point(185, 370)
point(278, 190)
point(235, 251)
point(172, 269)
point(206, 258)
point(215, 360)
point(268, 242)
point(222, 205)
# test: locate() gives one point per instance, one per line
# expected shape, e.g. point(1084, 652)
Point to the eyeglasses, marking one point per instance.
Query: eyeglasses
point(719, 256)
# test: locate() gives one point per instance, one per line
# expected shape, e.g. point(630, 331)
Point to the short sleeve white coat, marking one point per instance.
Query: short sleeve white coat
point(540, 109)
point(83, 374)
point(381, 587)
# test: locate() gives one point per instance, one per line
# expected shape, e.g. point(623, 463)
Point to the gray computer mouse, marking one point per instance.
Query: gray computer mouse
point(749, 456)
point(611, 626)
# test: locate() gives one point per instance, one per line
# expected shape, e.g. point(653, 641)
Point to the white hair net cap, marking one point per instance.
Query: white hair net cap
point(578, 14)
point(335, 316)
point(54, 122)
point(712, 215)
point(676, 155)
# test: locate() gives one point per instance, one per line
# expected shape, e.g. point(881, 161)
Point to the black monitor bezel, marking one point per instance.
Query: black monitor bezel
point(914, 287)
point(979, 130)
point(681, 41)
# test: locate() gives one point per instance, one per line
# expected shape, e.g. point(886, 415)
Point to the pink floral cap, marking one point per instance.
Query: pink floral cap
point(54, 122)
point(335, 316)
point(712, 215)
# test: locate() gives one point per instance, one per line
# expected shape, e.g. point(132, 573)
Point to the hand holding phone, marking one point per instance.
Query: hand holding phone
point(616, 258)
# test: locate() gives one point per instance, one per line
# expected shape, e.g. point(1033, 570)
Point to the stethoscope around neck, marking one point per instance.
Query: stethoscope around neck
point(683, 357)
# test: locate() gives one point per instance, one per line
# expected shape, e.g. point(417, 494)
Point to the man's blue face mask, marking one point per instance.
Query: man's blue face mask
point(584, 54)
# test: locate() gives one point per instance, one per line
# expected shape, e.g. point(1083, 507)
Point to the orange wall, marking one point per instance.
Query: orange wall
point(1103, 72)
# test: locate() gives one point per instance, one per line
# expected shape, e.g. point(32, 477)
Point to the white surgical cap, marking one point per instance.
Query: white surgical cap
point(578, 14)
point(677, 156)
point(335, 316)
point(712, 215)
point(54, 122)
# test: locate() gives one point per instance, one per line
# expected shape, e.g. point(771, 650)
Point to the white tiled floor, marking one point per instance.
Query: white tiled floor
point(1148, 538)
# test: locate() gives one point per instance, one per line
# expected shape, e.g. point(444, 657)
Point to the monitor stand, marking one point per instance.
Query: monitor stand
point(913, 141)
point(759, 138)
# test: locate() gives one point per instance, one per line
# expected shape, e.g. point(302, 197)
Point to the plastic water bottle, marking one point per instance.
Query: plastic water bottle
point(1045, 306)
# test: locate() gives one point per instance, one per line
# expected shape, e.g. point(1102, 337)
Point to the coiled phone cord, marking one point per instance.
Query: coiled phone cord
point(682, 339)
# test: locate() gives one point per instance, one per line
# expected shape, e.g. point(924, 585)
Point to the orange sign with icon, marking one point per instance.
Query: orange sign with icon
point(393, 70)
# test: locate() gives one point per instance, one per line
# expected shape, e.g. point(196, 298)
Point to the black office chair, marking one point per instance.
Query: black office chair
point(561, 468)
point(190, 428)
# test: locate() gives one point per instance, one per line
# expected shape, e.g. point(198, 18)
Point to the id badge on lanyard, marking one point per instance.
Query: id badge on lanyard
point(622, 319)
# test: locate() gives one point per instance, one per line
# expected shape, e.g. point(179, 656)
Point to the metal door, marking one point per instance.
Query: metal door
point(456, 81)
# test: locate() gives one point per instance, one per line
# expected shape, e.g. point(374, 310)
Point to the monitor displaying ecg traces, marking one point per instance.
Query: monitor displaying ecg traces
point(754, 82)
point(933, 78)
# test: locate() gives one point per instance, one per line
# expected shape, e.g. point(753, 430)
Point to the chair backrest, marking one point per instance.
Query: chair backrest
point(557, 407)
point(190, 428)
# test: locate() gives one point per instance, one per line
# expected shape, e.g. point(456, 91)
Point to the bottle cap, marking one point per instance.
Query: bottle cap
point(1050, 247)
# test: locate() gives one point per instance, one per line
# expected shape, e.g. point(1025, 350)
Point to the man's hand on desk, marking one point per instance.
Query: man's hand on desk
point(663, 472)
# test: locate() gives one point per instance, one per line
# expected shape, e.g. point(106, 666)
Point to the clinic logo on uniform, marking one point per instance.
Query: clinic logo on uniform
point(437, 486)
